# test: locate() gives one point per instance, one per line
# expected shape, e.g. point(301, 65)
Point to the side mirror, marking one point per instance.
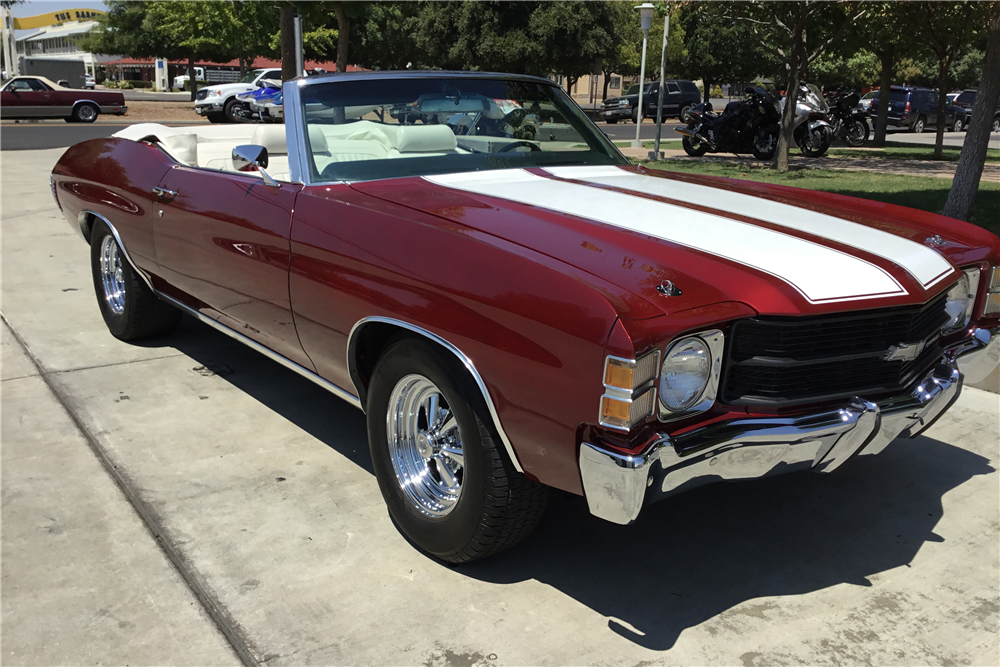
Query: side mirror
point(253, 158)
point(249, 158)
point(260, 84)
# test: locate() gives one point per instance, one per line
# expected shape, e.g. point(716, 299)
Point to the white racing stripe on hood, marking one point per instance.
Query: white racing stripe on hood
point(923, 263)
point(819, 273)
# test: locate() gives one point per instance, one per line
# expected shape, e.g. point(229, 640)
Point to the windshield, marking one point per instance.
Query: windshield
point(250, 76)
point(869, 95)
point(359, 129)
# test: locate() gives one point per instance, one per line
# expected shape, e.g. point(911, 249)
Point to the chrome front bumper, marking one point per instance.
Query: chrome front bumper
point(618, 486)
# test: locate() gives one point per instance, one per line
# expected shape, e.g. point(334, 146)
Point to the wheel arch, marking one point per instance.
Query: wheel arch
point(371, 335)
point(87, 218)
point(77, 103)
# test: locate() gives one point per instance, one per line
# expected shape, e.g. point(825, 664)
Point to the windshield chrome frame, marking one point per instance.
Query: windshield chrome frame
point(294, 110)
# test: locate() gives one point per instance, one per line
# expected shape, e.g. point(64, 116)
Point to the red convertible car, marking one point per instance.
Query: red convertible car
point(469, 260)
point(37, 97)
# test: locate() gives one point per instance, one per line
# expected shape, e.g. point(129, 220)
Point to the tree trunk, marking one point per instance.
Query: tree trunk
point(607, 82)
point(343, 35)
point(192, 79)
point(970, 163)
point(570, 82)
point(942, 101)
point(708, 88)
point(287, 23)
point(786, 140)
point(885, 82)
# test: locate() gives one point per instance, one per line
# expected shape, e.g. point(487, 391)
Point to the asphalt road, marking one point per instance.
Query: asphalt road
point(185, 500)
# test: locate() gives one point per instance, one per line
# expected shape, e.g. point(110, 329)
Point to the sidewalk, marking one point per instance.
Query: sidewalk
point(991, 171)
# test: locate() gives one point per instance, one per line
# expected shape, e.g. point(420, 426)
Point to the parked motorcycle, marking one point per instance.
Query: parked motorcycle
point(850, 123)
point(262, 105)
point(750, 125)
point(813, 132)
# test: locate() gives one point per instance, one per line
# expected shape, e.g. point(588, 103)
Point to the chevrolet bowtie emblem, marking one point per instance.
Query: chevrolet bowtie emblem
point(904, 351)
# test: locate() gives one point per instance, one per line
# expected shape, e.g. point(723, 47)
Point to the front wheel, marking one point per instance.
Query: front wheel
point(996, 124)
point(216, 117)
point(856, 133)
point(765, 144)
point(448, 486)
point(130, 309)
point(684, 111)
point(635, 117)
point(817, 142)
point(611, 121)
point(232, 112)
point(958, 125)
point(693, 147)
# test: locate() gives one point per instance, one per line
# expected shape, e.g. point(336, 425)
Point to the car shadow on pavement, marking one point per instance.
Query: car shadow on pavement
point(313, 409)
point(692, 557)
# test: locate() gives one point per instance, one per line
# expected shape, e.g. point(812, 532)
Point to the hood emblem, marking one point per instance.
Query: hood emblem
point(667, 288)
point(904, 351)
point(935, 240)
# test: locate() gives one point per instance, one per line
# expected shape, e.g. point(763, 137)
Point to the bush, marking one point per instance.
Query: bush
point(141, 84)
point(201, 84)
point(716, 91)
point(125, 85)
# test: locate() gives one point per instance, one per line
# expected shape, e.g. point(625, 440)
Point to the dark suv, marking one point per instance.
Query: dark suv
point(967, 98)
point(678, 95)
point(916, 109)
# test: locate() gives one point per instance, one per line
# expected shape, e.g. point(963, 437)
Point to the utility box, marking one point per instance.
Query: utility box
point(69, 70)
point(162, 80)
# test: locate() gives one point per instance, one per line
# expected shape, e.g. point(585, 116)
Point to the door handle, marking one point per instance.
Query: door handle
point(163, 194)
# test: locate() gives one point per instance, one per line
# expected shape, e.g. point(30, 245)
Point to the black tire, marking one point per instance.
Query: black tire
point(809, 151)
point(765, 145)
point(996, 124)
point(693, 147)
point(918, 125)
point(611, 121)
point(230, 112)
point(216, 117)
point(856, 133)
point(958, 125)
point(497, 506)
point(142, 314)
point(85, 113)
point(684, 110)
point(635, 116)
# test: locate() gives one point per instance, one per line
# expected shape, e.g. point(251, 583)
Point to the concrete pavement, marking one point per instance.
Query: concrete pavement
point(257, 486)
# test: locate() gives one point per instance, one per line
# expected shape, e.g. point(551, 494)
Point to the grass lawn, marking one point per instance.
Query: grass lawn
point(922, 192)
point(895, 150)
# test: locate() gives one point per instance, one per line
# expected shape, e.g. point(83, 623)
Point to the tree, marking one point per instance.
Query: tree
point(970, 164)
point(720, 48)
point(787, 28)
point(575, 36)
point(944, 29)
point(383, 36)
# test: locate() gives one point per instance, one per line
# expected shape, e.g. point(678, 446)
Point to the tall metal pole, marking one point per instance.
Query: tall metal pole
point(655, 155)
point(300, 64)
point(642, 84)
point(9, 47)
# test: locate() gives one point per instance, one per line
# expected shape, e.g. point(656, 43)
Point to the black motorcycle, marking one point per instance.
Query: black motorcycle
point(850, 124)
point(750, 125)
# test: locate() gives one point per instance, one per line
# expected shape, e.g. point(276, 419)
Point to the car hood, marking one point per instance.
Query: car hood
point(779, 250)
point(227, 88)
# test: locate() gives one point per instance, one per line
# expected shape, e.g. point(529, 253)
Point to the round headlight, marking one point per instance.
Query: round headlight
point(959, 304)
point(686, 371)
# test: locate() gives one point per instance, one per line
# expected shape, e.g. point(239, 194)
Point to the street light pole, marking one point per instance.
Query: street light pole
point(646, 17)
point(655, 155)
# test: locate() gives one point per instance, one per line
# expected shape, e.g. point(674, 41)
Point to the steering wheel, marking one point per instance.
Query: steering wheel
point(515, 144)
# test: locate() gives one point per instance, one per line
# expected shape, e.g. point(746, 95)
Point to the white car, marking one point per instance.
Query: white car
point(89, 82)
point(219, 103)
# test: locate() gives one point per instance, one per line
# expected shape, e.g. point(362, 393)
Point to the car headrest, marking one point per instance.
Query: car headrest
point(317, 140)
point(425, 139)
point(271, 137)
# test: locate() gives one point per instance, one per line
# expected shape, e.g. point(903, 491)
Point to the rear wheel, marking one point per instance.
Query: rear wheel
point(958, 125)
point(130, 309)
point(448, 486)
point(694, 147)
point(996, 124)
point(918, 125)
point(85, 113)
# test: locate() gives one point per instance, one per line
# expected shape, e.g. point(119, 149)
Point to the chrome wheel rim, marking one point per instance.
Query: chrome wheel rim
point(86, 112)
point(112, 276)
point(425, 446)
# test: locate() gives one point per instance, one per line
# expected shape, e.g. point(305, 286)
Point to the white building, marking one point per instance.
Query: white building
point(59, 41)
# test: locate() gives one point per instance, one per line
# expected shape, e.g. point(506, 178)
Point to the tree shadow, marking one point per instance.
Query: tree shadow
point(690, 557)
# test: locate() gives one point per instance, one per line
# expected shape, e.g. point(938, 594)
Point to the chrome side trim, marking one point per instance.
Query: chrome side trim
point(298, 155)
point(461, 356)
point(266, 351)
point(618, 486)
point(82, 220)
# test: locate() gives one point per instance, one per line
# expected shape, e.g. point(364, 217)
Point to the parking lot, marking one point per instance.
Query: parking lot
point(188, 502)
